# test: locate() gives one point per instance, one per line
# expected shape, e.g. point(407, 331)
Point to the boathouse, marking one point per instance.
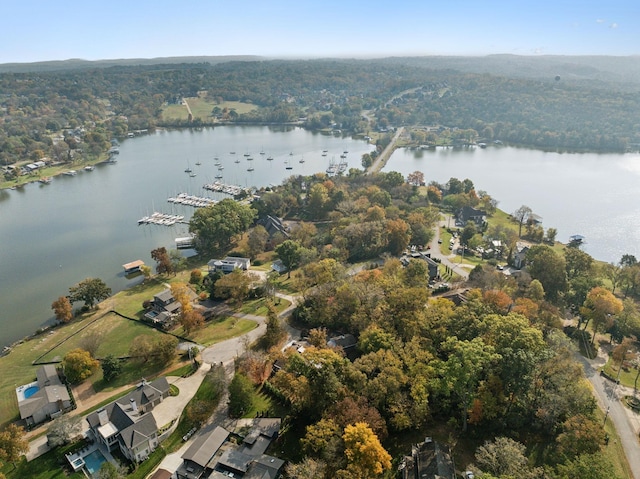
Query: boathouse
point(133, 267)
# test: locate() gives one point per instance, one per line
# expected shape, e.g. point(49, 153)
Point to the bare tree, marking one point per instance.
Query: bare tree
point(521, 215)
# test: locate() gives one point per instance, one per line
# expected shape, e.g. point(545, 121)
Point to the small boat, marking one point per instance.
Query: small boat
point(251, 168)
point(198, 163)
point(345, 152)
point(236, 161)
point(269, 158)
point(324, 153)
point(218, 176)
point(288, 166)
point(250, 159)
point(247, 154)
point(45, 180)
point(301, 160)
point(89, 168)
point(291, 154)
point(70, 173)
point(192, 175)
point(262, 151)
point(232, 153)
point(220, 168)
point(188, 170)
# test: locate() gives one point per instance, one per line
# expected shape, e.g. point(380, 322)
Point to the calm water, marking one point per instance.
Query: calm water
point(55, 235)
point(595, 195)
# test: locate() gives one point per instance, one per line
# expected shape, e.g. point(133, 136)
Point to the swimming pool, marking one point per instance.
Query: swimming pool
point(30, 391)
point(93, 461)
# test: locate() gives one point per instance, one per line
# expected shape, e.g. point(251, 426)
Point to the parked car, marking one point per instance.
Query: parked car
point(469, 475)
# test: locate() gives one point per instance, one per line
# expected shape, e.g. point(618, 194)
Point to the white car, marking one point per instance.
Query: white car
point(469, 475)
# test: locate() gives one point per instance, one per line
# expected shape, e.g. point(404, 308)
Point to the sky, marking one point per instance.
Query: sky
point(41, 30)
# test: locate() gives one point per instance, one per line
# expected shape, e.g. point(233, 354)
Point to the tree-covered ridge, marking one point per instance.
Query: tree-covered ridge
point(36, 107)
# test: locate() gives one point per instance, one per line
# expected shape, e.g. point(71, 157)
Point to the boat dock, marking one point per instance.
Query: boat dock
point(161, 219)
point(219, 187)
point(133, 267)
point(191, 200)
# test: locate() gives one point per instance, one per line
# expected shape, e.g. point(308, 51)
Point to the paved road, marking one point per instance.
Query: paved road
point(434, 249)
point(608, 397)
point(382, 158)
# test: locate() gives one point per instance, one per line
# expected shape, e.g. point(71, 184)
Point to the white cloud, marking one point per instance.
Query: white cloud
point(600, 20)
point(613, 25)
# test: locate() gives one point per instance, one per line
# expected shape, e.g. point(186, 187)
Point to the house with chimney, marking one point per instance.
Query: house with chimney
point(127, 423)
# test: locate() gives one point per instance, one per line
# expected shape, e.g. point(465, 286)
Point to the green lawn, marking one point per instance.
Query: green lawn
point(47, 466)
point(258, 307)
point(218, 330)
point(627, 375)
point(202, 108)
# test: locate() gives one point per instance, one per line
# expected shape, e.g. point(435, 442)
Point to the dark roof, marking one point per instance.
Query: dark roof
point(467, 213)
point(164, 296)
point(264, 467)
point(235, 460)
point(47, 375)
point(205, 446)
point(139, 432)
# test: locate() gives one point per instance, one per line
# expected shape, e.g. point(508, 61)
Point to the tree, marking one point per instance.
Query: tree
point(78, 365)
point(587, 466)
point(416, 178)
point(580, 435)
point(164, 349)
point(521, 215)
point(275, 333)
point(191, 320)
point(91, 341)
point(366, 458)
point(317, 201)
point(141, 348)
point(502, 456)
point(601, 307)
point(235, 286)
point(257, 240)
point(551, 235)
point(240, 395)
point(398, 232)
point(461, 373)
point(183, 295)
point(90, 290)
point(545, 265)
point(163, 261)
point(63, 429)
point(111, 367)
point(216, 227)
point(12, 443)
point(62, 309)
point(290, 253)
point(309, 468)
point(111, 471)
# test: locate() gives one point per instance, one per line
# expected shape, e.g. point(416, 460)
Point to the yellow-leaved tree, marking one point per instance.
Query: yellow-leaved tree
point(366, 458)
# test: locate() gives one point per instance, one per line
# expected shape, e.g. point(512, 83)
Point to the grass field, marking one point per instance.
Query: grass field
point(202, 108)
point(219, 330)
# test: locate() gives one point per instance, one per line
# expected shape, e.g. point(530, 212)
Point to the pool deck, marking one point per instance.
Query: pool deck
point(21, 389)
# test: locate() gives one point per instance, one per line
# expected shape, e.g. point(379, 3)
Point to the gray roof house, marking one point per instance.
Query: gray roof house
point(44, 399)
point(164, 308)
point(467, 213)
point(212, 456)
point(228, 264)
point(520, 255)
point(428, 460)
point(126, 423)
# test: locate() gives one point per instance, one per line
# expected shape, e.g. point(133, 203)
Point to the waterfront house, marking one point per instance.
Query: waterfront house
point(467, 213)
point(228, 264)
point(46, 398)
point(164, 308)
point(127, 423)
point(420, 255)
point(520, 255)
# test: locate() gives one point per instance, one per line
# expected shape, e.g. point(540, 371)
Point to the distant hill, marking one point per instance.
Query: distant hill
point(79, 64)
point(573, 68)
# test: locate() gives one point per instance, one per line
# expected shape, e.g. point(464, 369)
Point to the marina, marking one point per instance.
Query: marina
point(192, 200)
point(219, 187)
point(161, 219)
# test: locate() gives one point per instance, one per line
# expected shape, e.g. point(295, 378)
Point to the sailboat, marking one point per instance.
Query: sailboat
point(188, 168)
point(301, 160)
point(288, 166)
point(251, 168)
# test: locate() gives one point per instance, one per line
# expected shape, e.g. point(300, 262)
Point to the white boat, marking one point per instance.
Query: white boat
point(89, 168)
point(70, 173)
point(251, 168)
point(236, 161)
point(269, 158)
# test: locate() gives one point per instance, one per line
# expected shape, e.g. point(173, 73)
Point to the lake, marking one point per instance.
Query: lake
point(594, 195)
point(55, 235)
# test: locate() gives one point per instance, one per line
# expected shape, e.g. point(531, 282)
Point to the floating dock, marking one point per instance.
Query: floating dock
point(219, 187)
point(133, 267)
point(161, 219)
point(191, 200)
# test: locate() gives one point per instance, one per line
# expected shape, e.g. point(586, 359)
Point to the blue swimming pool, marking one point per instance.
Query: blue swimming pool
point(93, 461)
point(30, 391)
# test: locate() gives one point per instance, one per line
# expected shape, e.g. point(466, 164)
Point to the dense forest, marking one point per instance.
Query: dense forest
point(48, 112)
